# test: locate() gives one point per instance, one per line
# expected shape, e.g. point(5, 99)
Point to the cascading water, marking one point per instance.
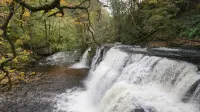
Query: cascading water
point(84, 62)
point(120, 81)
point(64, 58)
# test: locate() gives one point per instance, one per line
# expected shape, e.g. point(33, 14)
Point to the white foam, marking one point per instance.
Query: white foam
point(122, 82)
point(84, 62)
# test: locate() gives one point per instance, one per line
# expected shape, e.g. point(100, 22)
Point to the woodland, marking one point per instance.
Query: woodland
point(31, 29)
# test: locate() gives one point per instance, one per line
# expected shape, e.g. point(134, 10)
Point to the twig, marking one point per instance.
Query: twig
point(90, 25)
point(80, 4)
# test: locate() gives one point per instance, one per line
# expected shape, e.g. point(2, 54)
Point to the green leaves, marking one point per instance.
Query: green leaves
point(190, 26)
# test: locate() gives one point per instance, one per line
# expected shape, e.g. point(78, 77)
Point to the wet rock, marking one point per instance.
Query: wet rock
point(38, 96)
point(64, 58)
point(69, 71)
point(138, 110)
point(191, 91)
point(190, 55)
point(21, 110)
point(43, 51)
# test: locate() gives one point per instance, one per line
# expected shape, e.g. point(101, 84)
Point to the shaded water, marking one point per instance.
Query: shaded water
point(54, 78)
point(65, 58)
point(84, 62)
point(120, 81)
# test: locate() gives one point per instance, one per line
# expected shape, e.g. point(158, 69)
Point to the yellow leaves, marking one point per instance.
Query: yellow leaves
point(11, 71)
point(21, 73)
point(33, 73)
point(7, 68)
point(75, 19)
point(25, 38)
point(42, 12)
point(1, 43)
point(70, 4)
point(27, 52)
point(21, 76)
point(80, 19)
point(1, 75)
point(77, 23)
point(24, 58)
point(1, 2)
point(153, 1)
point(19, 42)
point(2, 58)
point(4, 2)
point(63, 2)
point(16, 76)
point(9, 1)
point(52, 11)
point(15, 60)
point(1, 32)
point(26, 13)
point(4, 81)
point(84, 16)
point(59, 15)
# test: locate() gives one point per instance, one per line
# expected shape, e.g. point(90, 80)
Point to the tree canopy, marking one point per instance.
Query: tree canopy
point(30, 29)
point(51, 25)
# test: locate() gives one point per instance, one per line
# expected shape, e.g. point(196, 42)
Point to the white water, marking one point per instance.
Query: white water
point(166, 49)
point(124, 82)
point(84, 62)
point(60, 58)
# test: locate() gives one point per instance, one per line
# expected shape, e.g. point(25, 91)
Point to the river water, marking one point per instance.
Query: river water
point(122, 81)
point(84, 62)
point(39, 95)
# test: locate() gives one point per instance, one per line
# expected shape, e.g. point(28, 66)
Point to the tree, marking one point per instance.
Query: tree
point(139, 21)
point(25, 9)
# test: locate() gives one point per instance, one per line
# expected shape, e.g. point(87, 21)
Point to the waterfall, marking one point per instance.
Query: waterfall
point(84, 62)
point(121, 81)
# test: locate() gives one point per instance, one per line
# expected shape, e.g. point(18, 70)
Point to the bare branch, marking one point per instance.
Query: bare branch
point(45, 7)
point(90, 25)
point(80, 4)
point(58, 12)
point(5, 36)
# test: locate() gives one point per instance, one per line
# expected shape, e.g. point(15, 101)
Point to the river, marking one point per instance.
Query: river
point(121, 79)
point(130, 79)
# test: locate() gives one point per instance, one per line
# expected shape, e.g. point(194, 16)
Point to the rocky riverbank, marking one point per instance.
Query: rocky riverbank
point(38, 96)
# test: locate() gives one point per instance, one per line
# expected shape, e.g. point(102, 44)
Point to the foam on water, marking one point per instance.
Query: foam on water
point(84, 62)
point(123, 97)
point(166, 49)
point(119, 81)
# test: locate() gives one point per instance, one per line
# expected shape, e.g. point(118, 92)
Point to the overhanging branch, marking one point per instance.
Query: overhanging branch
point(5, 36)
point(45, 7)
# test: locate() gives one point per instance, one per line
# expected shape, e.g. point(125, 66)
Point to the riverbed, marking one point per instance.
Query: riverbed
point(121, 79)
point(38, 96)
